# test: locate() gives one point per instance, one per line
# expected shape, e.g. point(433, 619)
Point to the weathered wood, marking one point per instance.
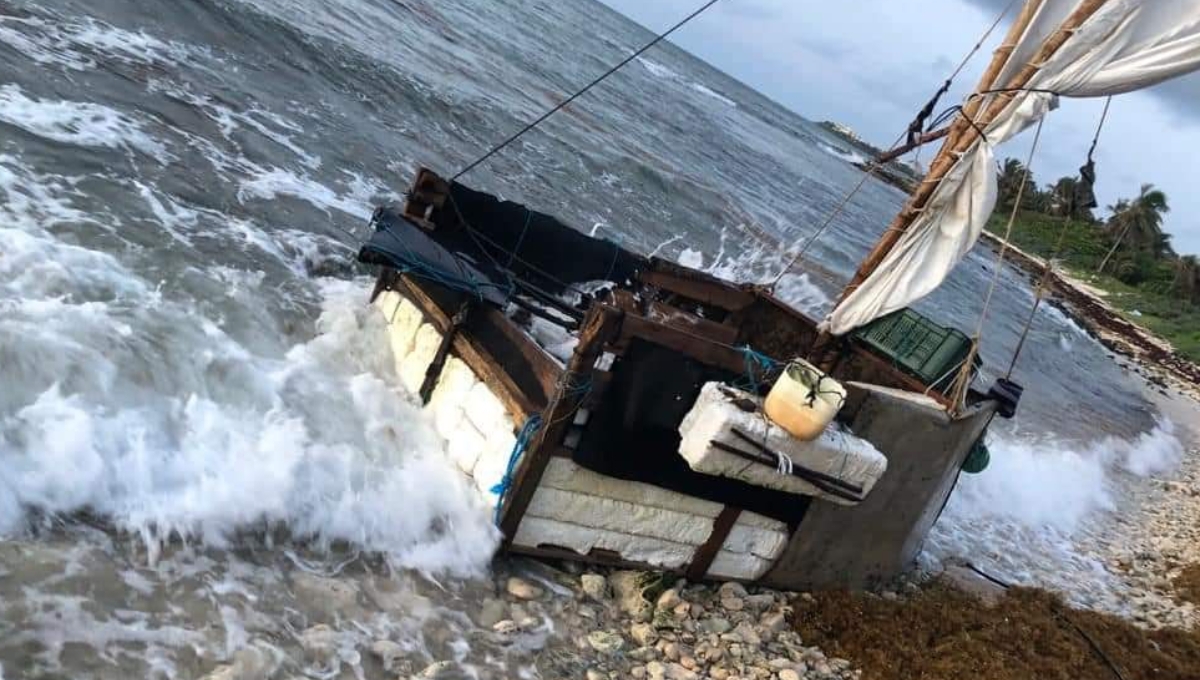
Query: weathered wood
point(958, 144)
point(999, 59)
point(477, 357)
point(545, 368)
point(710, 292)
point(963, 135)
point(702, 349)
point(602, 325)
point(672, 316)
point(434, 372)
point(707, 552)
point(927, 138)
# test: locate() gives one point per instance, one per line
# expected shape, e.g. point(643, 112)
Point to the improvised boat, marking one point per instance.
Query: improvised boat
point(609, 406)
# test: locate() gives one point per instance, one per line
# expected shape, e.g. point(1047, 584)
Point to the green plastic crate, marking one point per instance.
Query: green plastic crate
point(927, 351)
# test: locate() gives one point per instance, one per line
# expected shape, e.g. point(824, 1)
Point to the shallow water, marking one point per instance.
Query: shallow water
point(184, 344)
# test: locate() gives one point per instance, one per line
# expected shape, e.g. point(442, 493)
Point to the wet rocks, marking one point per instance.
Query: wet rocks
point(491, 612)
point(522, 589)
point(324, 597)
point(605, 642)
point(392, 656)
point(594, 586)
point(320, 644)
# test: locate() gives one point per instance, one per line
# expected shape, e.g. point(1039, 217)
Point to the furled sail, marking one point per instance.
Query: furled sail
point(1122, 46)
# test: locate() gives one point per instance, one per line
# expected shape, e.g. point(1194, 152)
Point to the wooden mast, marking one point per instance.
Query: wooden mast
point(962, 136)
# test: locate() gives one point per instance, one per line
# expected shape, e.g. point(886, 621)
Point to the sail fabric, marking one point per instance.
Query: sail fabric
point(1125, 46)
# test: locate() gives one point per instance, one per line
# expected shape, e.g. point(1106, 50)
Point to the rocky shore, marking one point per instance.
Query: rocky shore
point(1153, 357)
point(632, 624)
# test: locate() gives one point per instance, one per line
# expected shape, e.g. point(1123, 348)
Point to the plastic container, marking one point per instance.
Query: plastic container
point(920, 347)
point(804, 400)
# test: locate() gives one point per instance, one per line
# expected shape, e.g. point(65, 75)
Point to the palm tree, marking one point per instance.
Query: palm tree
point(1063, 199)
point(1137, 223)
point(1012, 173)
point(1187, 279)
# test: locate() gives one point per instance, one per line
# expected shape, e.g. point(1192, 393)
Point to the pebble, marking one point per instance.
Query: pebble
point(441, 670)
point(319, 644)
point(644, 634)
point(788, 674)
point(605, 642)
point(390, 654)
point(668, 600)
point(522, 589)
point(506, 628)
point(732, 603)
point(492, 612)
point(678, 672)
point(594, 586)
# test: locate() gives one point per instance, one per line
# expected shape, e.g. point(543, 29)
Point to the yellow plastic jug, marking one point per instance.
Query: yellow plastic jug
point(804, 400)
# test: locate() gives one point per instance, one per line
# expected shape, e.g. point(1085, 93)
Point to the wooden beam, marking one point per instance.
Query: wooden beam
point(602, 324)
point(715, 292)
point(960, 143)
point(964, 134)
point(889, 156)
point(477, 357)
point(707, 552)
point(672, 316)
point(693, 345)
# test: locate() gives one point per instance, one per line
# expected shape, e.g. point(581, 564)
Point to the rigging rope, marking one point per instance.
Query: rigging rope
point(964, 377)
point(540, 119)
point(873, 167)
point(914, 128)
point(1048, 267)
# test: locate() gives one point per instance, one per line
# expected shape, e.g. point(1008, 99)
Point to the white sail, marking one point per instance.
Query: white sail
point(1125, 46)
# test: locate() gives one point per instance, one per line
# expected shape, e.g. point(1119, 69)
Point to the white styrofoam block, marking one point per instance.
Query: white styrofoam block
point(403, 320)
point(613, 515)
point(739, 566)
point(465, 446)
point(449, 395)
point(492, 464)
point(485, 409)
point(636, 519)
point(543, 531)
point(414, 366)
point(836, 452)
point(745, 538)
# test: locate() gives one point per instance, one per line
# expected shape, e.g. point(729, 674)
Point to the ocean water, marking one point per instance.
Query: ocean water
point(198, 416)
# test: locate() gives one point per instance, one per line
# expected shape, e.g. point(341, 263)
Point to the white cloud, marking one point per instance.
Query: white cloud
point(873, 63)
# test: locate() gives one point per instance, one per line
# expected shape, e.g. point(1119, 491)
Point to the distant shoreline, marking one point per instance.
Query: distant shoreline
point(1154, 357)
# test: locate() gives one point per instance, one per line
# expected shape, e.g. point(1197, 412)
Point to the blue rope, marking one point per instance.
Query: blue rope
point(756, 362)
point(530, 428)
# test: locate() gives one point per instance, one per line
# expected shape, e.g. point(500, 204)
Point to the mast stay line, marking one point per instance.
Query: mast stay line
point(601, 78)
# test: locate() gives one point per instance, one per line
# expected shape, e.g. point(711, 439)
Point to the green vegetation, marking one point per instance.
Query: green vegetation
point(1128, 255)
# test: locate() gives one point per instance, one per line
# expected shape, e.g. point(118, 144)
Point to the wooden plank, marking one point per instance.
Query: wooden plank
point(477, 357)
point(710, 292)
point(707, 552)
point(700, 348)
point(434, 372)
point(603, 323)
point(546, 369)
point(672, 316)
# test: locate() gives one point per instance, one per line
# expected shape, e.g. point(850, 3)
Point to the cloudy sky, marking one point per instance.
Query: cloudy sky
point(873, 63)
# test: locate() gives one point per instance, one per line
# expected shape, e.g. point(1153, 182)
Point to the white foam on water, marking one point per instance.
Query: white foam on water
point(271, 126)
point(844, 154)
point(361, 194)
point(1029, 517)
point(658, 70)
point(77, 123)
point(132, 403)
point(708, 92)
point(80, 44)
